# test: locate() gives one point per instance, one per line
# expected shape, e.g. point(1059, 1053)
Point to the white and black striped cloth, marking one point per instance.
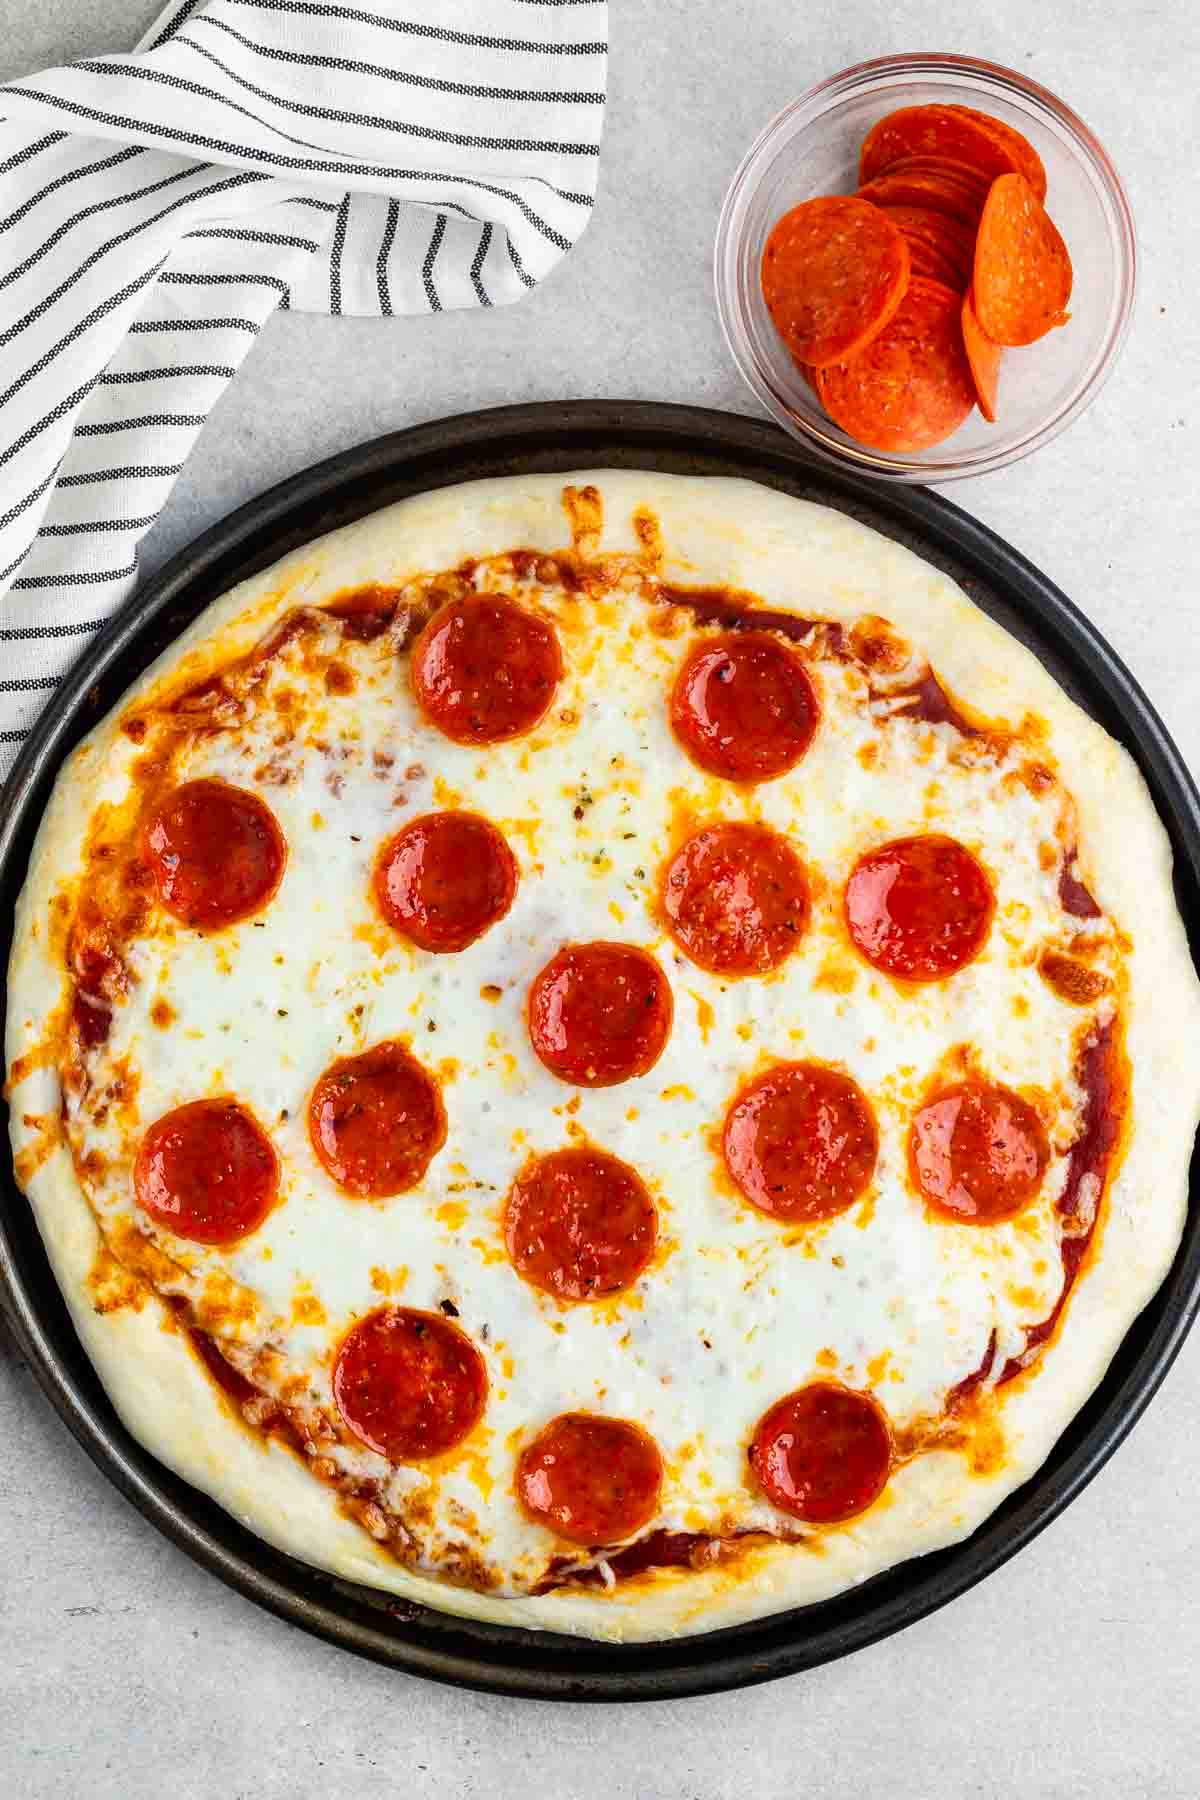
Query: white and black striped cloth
point(394, 156)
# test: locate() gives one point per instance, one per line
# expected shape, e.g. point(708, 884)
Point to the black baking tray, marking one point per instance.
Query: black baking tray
point(555, 437)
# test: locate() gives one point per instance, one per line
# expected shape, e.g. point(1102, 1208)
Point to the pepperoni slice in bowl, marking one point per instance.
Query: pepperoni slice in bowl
point(939, 188)
point(743, 706)
point(834, 270)
point(977, 1152)
point(948, 244)
point(735, 899)
point(580, 1224)
point(445, 880)
point(801, 1142)
point(377, 1121)
point(912, 387)
point(983, 358)
point(956, 132)
point(409, 1384)
point(919, 908)
point(951, 185)
point(600, 1013)
point(207, 1171)
point(485, 669)
point(1023, 275)
point(216, 853)
point(1025, 158)
point(591, 1479)
point(823, 1453)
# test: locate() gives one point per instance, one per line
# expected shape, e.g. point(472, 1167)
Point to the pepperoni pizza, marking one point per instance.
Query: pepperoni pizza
point(602, 1053)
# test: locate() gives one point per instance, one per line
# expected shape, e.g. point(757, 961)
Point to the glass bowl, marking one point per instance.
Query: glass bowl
point(812, 148)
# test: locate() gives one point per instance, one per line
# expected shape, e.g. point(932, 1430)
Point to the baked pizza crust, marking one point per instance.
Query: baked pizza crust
point(719, 532)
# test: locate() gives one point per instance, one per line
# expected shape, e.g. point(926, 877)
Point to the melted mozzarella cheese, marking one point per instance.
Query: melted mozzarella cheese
point(735, 1309)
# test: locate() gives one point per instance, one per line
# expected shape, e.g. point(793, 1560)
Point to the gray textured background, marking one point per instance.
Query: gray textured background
point(127, 1672)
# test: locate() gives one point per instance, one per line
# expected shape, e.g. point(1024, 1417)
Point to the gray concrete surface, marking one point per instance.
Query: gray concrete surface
point(124, 1670)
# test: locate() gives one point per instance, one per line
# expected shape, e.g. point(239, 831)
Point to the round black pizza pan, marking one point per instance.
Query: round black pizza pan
point(555, 437)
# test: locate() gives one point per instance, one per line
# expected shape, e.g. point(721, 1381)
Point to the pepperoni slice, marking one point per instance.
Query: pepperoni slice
point(912, 387)
point(954, 132)
point(736, 899)
point(978, 1152)
point(600, 1013)
point(822, 1454)
point(409, 1384)
point(580, 1224)
point(941, 247)
point(377, 1121)
point(485, 669)
point(966, 186)
point(591, 1479)
point(207, 1171)
point(801, 1142)
point(983, 357)
point(743, 706)
point(445, 879)
point(1023, 274)
point(834, 271)
point(216, 853)
point(926, 260)
point(929, 183)
point(1025, 158)
point(919, 908)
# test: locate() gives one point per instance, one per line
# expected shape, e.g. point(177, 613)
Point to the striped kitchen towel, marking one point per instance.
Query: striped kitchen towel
point(394, 156)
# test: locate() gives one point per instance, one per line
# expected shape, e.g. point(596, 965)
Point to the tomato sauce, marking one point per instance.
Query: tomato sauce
point(1102, 1074)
